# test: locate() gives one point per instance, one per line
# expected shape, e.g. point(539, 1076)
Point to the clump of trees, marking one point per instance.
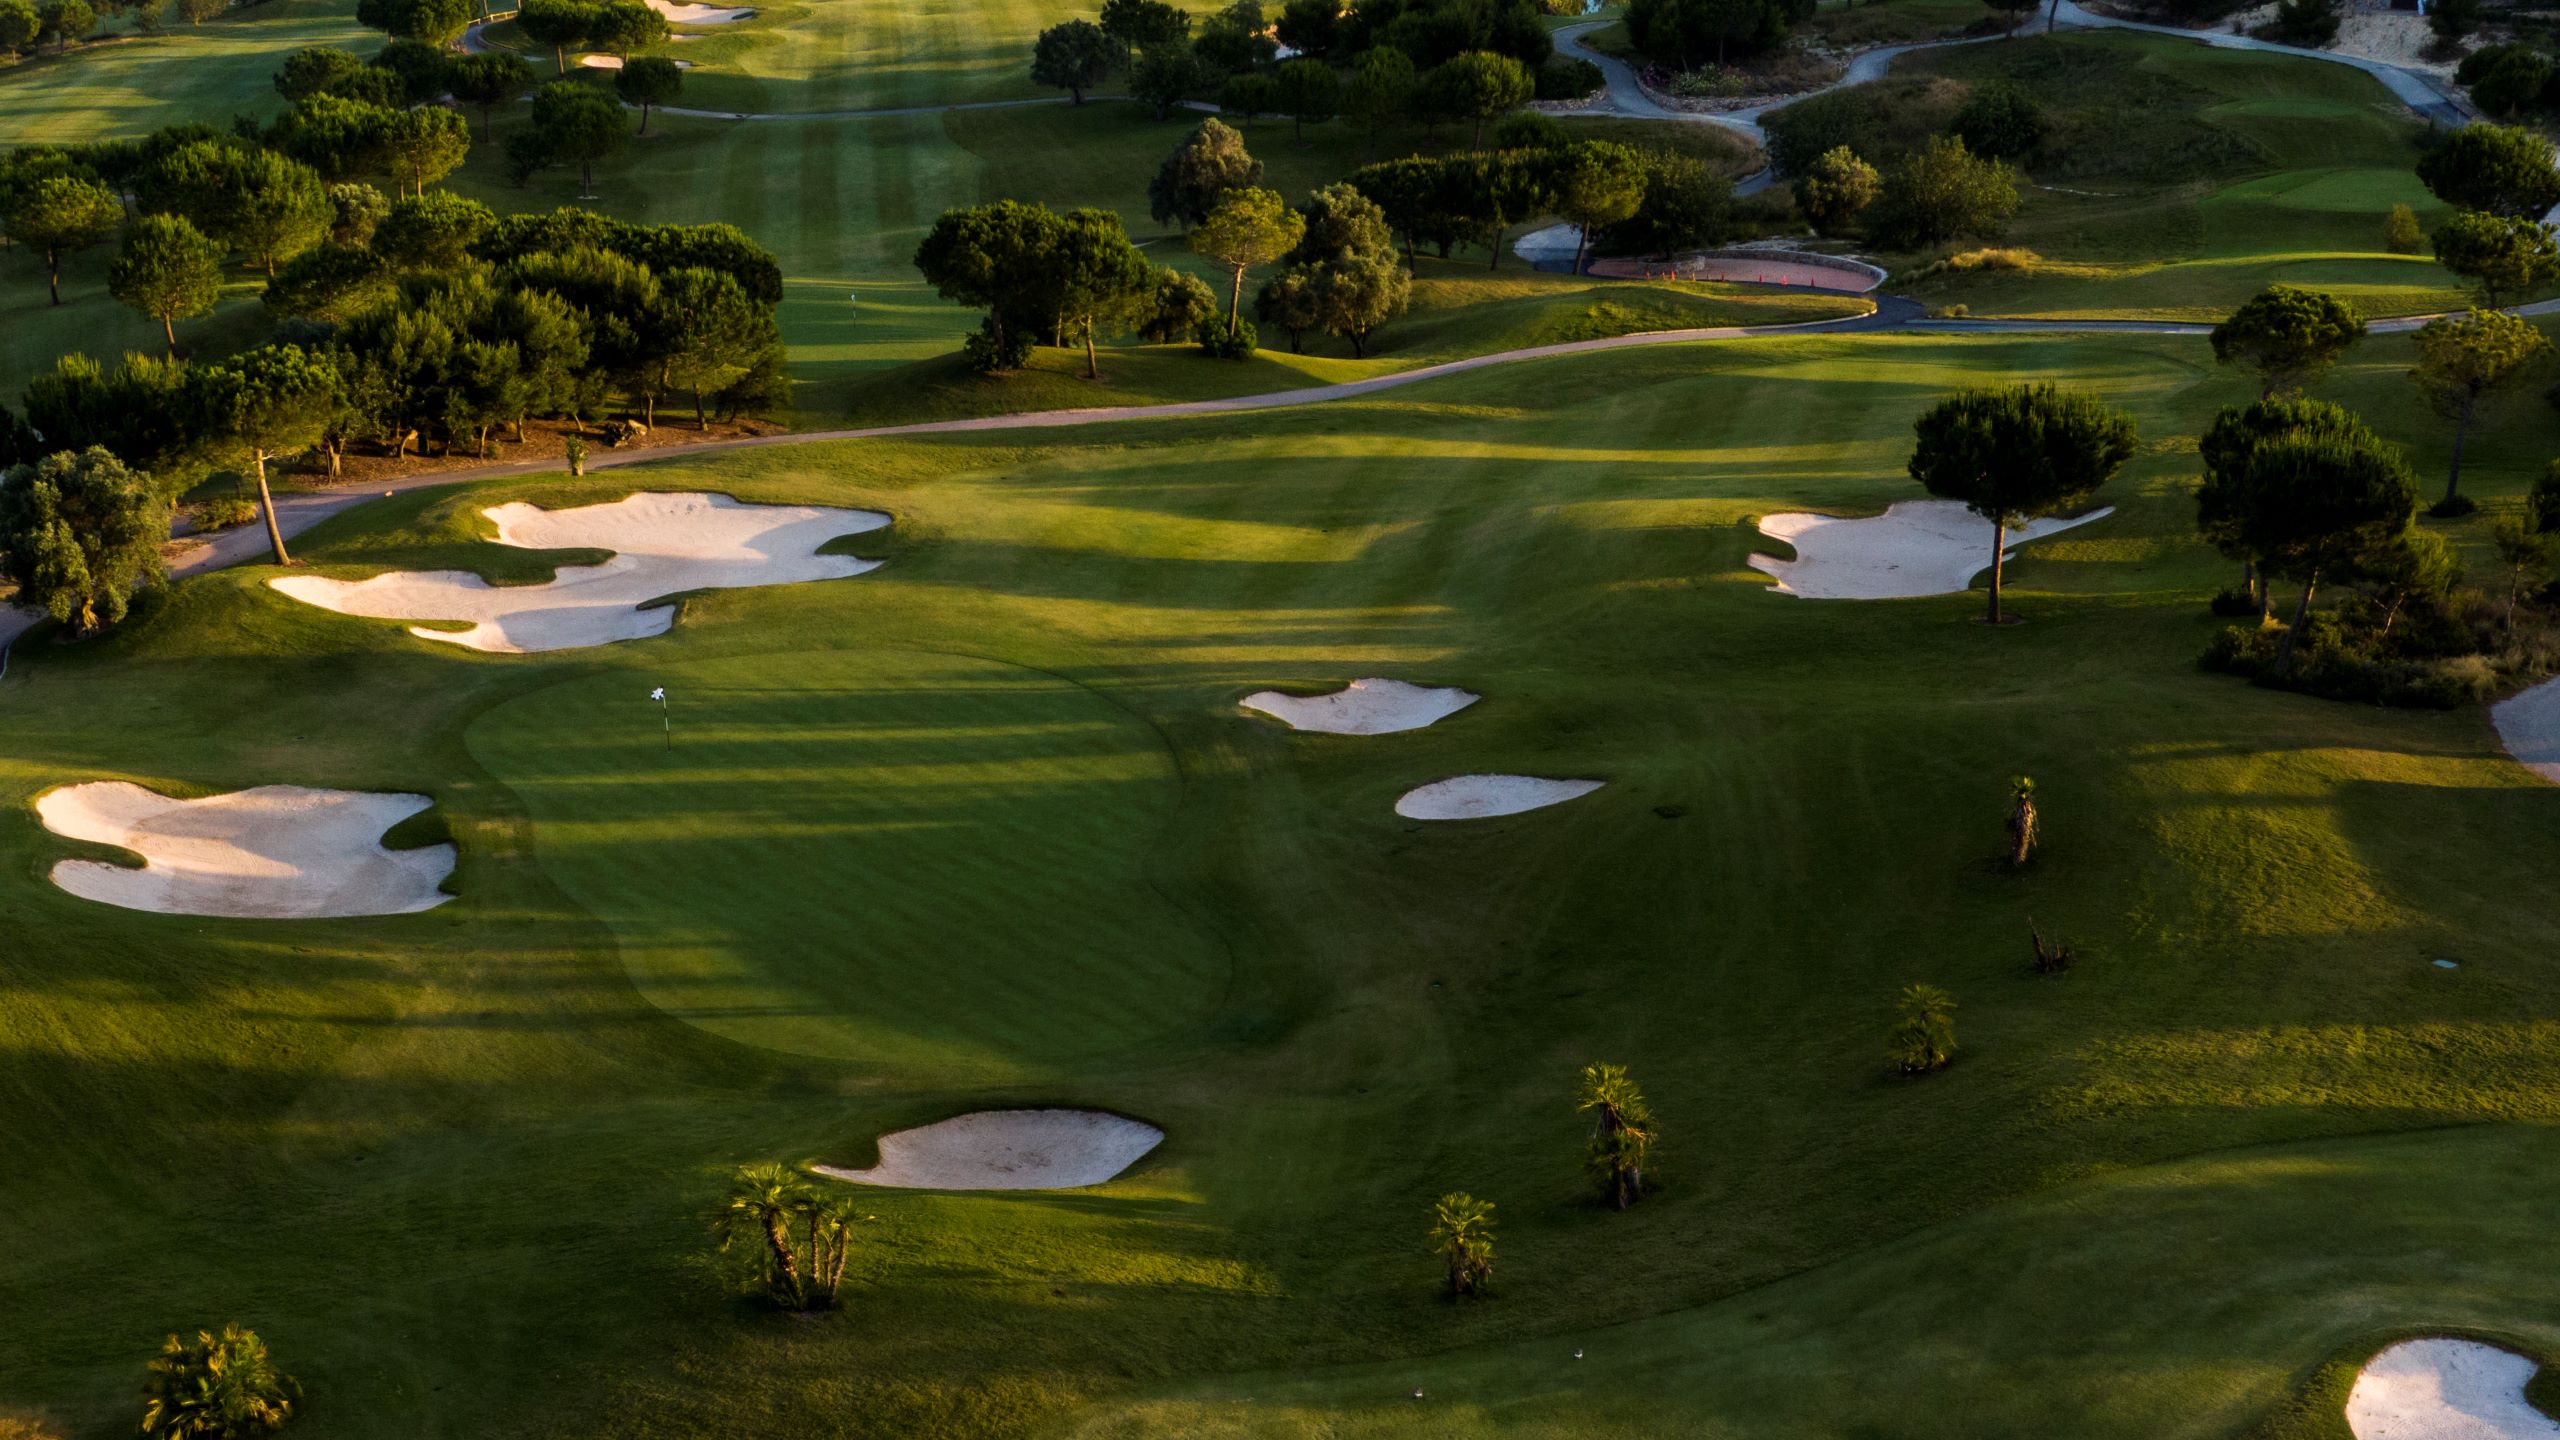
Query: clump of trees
point(1627, 201)
point(2304, 492)
point(81, 534)
point(800, 1235)
point(1684, 33)
point(221, 1386)
point(2019, 453)
point(1377, 64)
point(1836, 189)
point(1343, 277)
point(1941, 192)
point(1036, 272)
point(1462, 1236)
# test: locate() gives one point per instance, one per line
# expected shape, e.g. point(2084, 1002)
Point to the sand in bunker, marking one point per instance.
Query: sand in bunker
point(682, 14)
point(663, 544)
point(1481, 797)
point(2529, 725)
point(1363, 707)
point(1008, 1150)
point(1918, 547)
point(614, 62)
point(278, 852)
point(2441, 1389)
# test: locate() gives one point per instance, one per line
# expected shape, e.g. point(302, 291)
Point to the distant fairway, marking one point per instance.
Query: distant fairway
point(869, 54)
point(926, 862)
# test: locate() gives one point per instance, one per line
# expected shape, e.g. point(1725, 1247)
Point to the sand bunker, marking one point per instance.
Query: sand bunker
point(1918, 547)
point(1008, 1150)
point(2529, 724)
point(663, 544)
point(2440, 1389)
point(278, 852)
point(614, 62)
point(679, 14)
point(1363, 707)
point(1480, 797)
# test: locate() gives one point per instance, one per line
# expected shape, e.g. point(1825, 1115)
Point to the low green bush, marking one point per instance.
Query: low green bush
point(1219, 343)
point(1567, 78)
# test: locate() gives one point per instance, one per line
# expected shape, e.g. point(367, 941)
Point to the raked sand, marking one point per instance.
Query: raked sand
point(278, 852)
point(1917, 547)
point(1363, 707)
point(684, 14)
point(1481, 797)
point(614, 62)
point(2444, 1389)
point(663, 544)
point(2529, 724)
point(1008, 1150)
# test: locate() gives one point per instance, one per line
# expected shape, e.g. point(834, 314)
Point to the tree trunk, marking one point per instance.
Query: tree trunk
point(2293, 632)
point(778, 1244)
point(1359, 343)
point(586, 181)
point(560, 60)
point(644, 117)
point(1235, 300)
point(267, 507)
point(699, 423)
point(2461, 431)
point(53, 273)
point(1999, 543)
point(169, 327)
point(1581, 243)
point(2052, 9)
point(1092, 368)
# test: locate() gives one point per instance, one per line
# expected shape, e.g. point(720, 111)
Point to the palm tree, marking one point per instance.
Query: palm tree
point(828, 1220)
point(2022, 819)
point(761, 1202)
point(1621, 1132)
point(218, 1387)
point(1462, 1235)
point(1924, 1034)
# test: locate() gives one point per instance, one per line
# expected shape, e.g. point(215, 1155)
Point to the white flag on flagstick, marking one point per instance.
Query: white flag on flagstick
point(659, 694)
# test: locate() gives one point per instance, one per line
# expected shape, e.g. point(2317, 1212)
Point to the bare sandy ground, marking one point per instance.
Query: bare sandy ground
point(2373, 31)
point(1918, 547)
point(664, 544)
point(278, 852)
point(2444, 1389)
point(1481, 797)
point(614, 62)
point(1364, 707)
point(1008, 1150)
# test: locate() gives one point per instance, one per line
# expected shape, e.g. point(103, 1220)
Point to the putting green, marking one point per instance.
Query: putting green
point(900, 858)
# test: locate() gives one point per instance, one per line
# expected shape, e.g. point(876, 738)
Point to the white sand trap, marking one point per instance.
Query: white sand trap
point(663, 544)
point(1481, 797)
point(1918, 547)
point(614, 62)
point(2440, 1389)
point(680, 14)
point(2529, 724)
point(1364, 707)
point(1008, 1150)
point(278, 852)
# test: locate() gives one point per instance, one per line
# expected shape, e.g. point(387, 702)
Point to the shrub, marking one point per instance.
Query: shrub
point(2001, 121)
point(2400, 234)
point(1528, 130)
point(2312, 24)
point(2234, 604)
point(2007, 257)
point(1563, 78)
point(989, 352)
point(2453, 507)
point(1924, 1030)
point(1219, 343)
point(224, 513)
point(1942, 192)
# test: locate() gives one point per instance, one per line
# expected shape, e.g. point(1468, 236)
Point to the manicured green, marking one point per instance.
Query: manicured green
point(1035, 855)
